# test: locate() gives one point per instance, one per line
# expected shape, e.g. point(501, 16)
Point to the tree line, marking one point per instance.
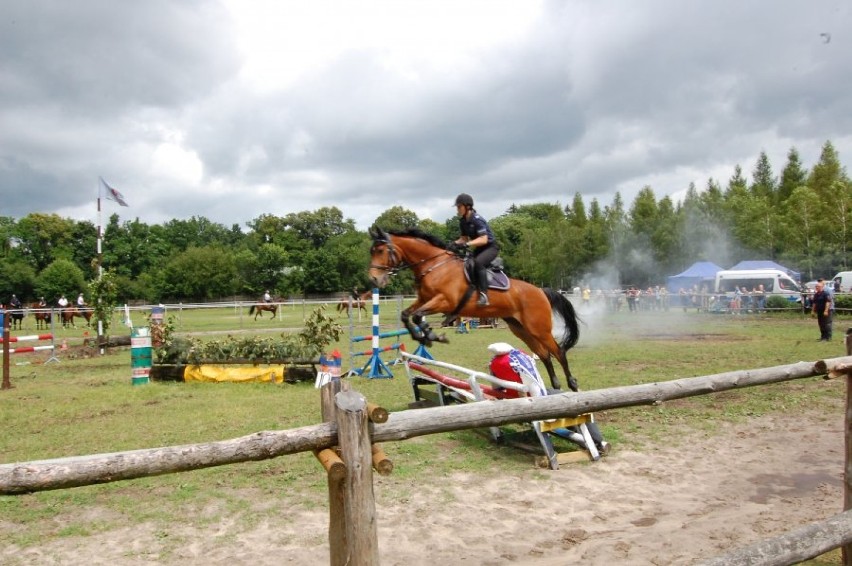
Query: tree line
point(801, 218)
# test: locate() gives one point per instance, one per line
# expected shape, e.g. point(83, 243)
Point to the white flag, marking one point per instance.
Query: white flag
point(113, 194)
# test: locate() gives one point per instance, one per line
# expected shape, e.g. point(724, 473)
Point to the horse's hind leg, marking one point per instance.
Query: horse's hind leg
point(538, 347)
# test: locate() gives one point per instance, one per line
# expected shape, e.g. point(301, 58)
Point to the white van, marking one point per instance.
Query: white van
point(774, 281)
point(845, 281)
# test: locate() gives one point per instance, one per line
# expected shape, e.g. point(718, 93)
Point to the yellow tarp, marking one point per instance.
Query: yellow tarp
point(235, 374)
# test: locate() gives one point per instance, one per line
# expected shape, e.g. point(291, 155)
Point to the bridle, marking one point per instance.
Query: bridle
point(397, 264)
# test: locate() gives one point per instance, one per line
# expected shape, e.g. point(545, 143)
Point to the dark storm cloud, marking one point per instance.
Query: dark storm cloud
point(592, 98)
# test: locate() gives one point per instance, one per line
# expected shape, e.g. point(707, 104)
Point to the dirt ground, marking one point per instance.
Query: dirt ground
point(675, 502)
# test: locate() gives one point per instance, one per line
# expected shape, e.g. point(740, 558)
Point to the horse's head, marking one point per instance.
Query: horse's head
point(384, 259)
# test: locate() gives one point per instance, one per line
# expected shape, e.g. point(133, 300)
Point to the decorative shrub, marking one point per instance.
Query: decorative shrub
point(319, 332)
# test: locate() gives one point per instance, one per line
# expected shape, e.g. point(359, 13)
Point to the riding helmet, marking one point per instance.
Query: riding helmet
point(464, 199)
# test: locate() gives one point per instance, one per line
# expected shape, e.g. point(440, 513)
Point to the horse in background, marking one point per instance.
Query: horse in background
point(42, 314)
point(346, 304)
point(16, 317)
point(257, 309)
point(70, 313)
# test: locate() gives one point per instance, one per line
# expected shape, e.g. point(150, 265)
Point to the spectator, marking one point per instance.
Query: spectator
point(822, 308)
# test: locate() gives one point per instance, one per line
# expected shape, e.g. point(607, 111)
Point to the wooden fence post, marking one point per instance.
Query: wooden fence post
point(7, 383)
point(336, 468)
point(846, 552)
point(360, 506)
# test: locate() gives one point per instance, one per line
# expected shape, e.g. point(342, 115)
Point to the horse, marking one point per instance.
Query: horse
point(542, 318)
point(16, 317)
point(348, 303)
point(258, 308)
point(41, 314)
point(69, 313)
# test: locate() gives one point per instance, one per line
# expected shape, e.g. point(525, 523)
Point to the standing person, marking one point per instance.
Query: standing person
point(822, 308)
point(759, 297)
point(477, 235)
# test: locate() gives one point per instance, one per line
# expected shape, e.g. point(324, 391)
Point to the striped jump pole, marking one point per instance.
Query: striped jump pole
point(33, 338)
point(375, 367)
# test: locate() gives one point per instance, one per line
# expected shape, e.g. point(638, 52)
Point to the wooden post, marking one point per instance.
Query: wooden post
point(7, 383)
point(846, 552)
point(381, 462)
point(336, 468)
point(360, 505)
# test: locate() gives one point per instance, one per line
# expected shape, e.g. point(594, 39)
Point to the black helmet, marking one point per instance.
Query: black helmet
point(464, 199)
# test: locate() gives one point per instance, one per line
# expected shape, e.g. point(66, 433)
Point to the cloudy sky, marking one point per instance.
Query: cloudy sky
point(235, 108)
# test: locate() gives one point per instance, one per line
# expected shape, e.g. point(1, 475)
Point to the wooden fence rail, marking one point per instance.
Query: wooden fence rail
point(26, 477)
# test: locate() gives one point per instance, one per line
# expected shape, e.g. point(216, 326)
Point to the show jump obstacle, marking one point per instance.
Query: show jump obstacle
point(477, 386)
point(7, 351)
point(375, 366)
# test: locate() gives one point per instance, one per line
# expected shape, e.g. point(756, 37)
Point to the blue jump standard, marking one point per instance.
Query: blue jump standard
point(376, 368)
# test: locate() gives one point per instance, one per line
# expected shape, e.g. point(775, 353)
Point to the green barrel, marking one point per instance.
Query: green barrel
point(140, 355)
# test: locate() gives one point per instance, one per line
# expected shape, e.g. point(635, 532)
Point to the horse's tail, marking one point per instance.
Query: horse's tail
point(251, 309)
point(563, 308)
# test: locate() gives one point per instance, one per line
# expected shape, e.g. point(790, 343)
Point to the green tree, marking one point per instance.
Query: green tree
point(803, 216)
point(61, 277)
point(319, 226)
point(320, 275)
point(43, 238)
point(576, 212)
point(271, 261)
point(763, 184)
point(104, 297)
point(208, 272)
point(793, 176)
point(16, 276)
point(397, 218)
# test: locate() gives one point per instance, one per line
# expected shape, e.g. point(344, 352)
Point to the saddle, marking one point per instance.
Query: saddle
point(497, 278)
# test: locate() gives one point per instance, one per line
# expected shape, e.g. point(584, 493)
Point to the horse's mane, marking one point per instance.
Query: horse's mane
point(418, 233)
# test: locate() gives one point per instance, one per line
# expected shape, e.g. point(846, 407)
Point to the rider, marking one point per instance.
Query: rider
point(81, 302)
point(15, 302)
point(267, 298)
point(42, 303)
point(477, 235)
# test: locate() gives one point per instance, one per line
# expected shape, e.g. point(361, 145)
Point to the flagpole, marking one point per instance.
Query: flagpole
point(100, 235)
point(100, 268)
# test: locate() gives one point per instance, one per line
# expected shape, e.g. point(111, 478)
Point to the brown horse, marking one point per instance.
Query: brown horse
point(543, 318)
point(69, 313)
point(41, 314)
point(348, 303)
point(258, 308)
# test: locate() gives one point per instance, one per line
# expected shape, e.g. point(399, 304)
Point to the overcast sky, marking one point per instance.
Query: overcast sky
point(232, 109)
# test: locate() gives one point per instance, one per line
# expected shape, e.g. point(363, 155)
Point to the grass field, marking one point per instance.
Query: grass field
point(85, 404)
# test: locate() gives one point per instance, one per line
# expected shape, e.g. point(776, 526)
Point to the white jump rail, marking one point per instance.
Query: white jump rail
point(528, 388)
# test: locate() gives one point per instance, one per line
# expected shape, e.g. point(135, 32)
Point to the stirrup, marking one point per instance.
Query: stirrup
point(483, 300)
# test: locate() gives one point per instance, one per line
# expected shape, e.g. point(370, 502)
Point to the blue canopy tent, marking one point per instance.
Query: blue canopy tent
point(766, 264)
point(699, 273)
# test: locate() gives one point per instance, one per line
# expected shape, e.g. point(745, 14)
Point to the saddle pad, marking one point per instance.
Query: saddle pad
point(496, 279)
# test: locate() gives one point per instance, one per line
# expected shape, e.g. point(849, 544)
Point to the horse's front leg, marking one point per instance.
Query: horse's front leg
point(419, 322)
point(413, 329)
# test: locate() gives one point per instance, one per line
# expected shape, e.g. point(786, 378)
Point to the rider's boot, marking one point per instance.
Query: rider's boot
point(483, 289)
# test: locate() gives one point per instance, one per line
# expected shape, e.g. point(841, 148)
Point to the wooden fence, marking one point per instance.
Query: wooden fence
point(355, 427)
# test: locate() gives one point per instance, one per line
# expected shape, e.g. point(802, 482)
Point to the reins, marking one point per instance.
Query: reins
point(398, 264)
